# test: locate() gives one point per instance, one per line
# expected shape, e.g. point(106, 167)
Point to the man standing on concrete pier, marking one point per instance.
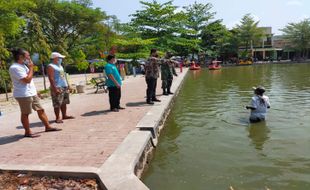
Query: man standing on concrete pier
point(114, 84)
point(59, 87)
point(151, 76)
point(25, 92)
point(167, 72)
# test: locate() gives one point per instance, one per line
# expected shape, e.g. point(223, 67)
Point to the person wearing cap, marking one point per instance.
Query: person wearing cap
point(59, 87)
point(259, 105)
point(25, 92)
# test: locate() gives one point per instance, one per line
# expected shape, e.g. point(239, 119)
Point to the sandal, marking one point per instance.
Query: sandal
point(31, 135)
point(52, 129)
point(68, 117)
point(58, 121)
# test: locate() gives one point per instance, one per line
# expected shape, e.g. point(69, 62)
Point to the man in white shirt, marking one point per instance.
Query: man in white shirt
point(25, 91)
point(259, 105)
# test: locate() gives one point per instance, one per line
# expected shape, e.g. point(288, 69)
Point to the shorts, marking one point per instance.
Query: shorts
point(256, 119)
point(26, 104)
point(61, 98)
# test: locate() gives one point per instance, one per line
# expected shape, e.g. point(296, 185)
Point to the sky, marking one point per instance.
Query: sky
point(274, 13)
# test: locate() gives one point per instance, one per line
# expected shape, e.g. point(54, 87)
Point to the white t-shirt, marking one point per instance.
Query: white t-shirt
point(21, 89)
point(261, 104)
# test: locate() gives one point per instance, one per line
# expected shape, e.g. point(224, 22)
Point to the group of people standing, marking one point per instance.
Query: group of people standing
point(25, 92)
point(152, 67)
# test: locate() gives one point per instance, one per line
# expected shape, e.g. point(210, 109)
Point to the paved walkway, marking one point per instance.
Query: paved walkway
point(86, 141)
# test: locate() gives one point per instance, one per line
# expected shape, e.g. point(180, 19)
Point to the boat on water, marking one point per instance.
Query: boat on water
point(215, 65)
point(195, 67)
point(242, 62)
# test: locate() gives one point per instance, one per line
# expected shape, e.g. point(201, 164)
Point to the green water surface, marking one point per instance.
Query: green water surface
point(208, 143)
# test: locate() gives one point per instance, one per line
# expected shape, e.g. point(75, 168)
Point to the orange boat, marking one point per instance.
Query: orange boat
point(214, 67)
point(194, 67)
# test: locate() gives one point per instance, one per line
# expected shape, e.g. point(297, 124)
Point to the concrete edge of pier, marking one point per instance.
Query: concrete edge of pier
point(125, 166)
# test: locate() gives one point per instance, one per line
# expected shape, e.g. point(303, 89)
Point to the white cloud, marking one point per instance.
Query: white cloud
point(294, 3)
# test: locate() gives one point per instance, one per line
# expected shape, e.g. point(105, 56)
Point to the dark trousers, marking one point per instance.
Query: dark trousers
point(169, 83)
point(151, 88)
point(114, 97)
point(154, 90)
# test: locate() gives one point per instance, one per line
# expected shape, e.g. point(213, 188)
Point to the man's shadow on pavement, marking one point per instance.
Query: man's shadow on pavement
point(34, 125)
point(137, 104)
point(10, 139)
point(94, 113)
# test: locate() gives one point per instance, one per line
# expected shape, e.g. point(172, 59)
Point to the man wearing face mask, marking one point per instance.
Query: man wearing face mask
point(59, 87)
point(114, 84)
point(25, 92)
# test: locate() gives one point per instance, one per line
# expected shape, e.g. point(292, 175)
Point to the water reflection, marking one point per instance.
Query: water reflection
point(208, 142)
point(196, 74)
point(259, 134)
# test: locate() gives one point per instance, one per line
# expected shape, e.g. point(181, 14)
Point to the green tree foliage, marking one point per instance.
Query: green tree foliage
point(198, 18)
point(11, 24)
point(133, 48)
point(176, 30)
point(79, 58)
point(248, 31)
point(156, 20)
point(64, 23)
point(219, 41)
point(299, 36)
point(10, 21)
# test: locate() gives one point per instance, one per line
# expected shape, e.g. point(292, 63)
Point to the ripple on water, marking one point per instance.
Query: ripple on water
point(208, 142)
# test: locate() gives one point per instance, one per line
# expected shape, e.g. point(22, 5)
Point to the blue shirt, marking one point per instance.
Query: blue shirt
point(111, 69)
point(59, 76)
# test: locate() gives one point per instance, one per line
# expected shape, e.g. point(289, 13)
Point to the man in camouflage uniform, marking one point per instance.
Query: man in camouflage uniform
point(170, 75)
point(165, 72)
point(151, 75)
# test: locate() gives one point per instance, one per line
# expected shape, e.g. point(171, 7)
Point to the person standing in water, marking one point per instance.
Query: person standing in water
point(259, 105)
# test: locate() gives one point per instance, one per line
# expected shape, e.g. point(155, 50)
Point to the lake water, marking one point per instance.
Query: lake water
point(208, 143)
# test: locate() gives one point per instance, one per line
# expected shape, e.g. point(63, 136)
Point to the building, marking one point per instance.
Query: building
point(272, 47)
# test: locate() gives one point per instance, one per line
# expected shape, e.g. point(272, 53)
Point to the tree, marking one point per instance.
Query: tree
point(198, 18)
point(299, 36)
point(10, 25)
point(248, 31)
point(219, 41)
point(64, 23)
point(133, 48)
point(79, 58)
point(156, 20)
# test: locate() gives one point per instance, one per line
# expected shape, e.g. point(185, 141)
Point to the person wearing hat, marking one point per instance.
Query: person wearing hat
point(25, 92)
point(59, 87)
point(259, 105)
